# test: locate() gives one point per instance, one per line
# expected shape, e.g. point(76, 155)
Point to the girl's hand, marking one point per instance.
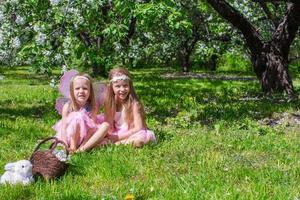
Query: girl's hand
point(113, 138)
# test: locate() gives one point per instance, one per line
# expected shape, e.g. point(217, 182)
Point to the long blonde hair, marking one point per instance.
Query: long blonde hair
point(91, 100)
point(110, 104)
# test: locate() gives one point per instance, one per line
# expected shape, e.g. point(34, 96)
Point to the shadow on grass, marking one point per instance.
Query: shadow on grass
point(32, 111)
point(207, 100)
point(21, 120)
point(15, 74)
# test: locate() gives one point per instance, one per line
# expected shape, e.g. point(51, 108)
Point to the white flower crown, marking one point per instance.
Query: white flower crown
point(119, 77)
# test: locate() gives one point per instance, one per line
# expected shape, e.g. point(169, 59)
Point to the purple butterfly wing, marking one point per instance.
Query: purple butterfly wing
point(100, 90)
point(64, 86)
point(64, 89)
point(60, 102)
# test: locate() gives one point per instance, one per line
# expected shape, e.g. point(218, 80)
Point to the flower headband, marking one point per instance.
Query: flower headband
point(82, 77)
point(122, 77)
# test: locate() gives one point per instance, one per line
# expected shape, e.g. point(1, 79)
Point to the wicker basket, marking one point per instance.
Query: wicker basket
point(45, 163)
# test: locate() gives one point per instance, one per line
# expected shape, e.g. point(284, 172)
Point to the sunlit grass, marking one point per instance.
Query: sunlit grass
point(211, 144)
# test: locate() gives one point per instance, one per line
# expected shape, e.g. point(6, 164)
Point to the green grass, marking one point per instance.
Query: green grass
point(210, 142)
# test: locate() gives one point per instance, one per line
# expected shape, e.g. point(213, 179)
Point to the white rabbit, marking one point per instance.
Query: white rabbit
point(17, 172)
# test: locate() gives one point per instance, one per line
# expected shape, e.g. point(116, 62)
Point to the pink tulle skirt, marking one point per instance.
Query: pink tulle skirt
point(81, 121)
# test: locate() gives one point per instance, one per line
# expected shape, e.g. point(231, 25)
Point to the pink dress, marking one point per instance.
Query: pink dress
point(78, 119)
point(121, 126)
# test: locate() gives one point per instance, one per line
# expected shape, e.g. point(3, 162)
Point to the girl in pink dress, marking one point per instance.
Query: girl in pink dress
point(80, 125)
point(124, 112)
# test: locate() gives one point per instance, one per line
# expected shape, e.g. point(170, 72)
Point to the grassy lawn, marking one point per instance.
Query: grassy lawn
point(214, 141)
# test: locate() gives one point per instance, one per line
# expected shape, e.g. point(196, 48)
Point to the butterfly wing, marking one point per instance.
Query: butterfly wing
point(60, 102)
point(64, 89)
point(64, 86)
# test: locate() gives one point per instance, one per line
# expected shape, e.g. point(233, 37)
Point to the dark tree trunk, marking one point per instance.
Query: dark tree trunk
point(184, 59)
point(99, 70)
point(187, 47)
point(186, 52)
point(130, 33)
point(126, 41)
point(185, 63)
point(269, 59)
point(271, 68)
point(212, 63)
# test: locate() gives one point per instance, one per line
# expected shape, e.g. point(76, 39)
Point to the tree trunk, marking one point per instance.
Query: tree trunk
point(269, 59)
point(99, 70)
point(188, 45)
point(212, 62)
point(271, 68)
point(184, 59)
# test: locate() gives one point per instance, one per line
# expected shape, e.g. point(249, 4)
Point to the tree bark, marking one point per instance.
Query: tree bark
point(98, 69)
point(187, 47)
point(269, 58)
point(184, 59)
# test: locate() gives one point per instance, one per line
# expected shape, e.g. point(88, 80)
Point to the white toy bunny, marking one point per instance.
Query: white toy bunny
point(17, 172)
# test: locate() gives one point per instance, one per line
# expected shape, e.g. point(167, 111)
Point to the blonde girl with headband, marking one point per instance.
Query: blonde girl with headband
point(80, 127)
point(124, 112)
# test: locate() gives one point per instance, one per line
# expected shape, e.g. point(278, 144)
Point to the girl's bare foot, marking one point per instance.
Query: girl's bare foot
point(80, 150)
point(72, 150)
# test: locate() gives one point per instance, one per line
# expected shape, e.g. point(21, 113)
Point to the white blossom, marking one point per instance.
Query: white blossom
point(13, 1)
point(81, 19)
point(131, 55)
point(63, 9)
point(52, 83)
point(148, 35)
point(54, 2)
point(67, 42)
point(46, 53)
point(210, 18)
point(74, 11)
point(41, 38)
point(3, 55)
point(36, 28)
point(57, 57)
point(118, 46)
point(20, 20)
point(1, 16)
point(1, 77)
point(16, 43)
point(165, 47)
point(64, 69)
point(66, 51)
point(1, 38)
point(75, 27)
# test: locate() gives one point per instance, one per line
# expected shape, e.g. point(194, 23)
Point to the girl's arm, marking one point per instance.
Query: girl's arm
point(137, 124)
point(93, 116)
point(64, 114)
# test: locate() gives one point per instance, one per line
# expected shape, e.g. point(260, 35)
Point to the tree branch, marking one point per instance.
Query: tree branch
point(268, 13)
point(249, 32)
point(85, 38)
point(274, 1)
point(287, 29)
point(131, 30)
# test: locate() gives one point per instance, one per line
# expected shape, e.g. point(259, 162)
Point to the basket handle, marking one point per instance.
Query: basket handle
point(57, 141)
point(53, 145)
